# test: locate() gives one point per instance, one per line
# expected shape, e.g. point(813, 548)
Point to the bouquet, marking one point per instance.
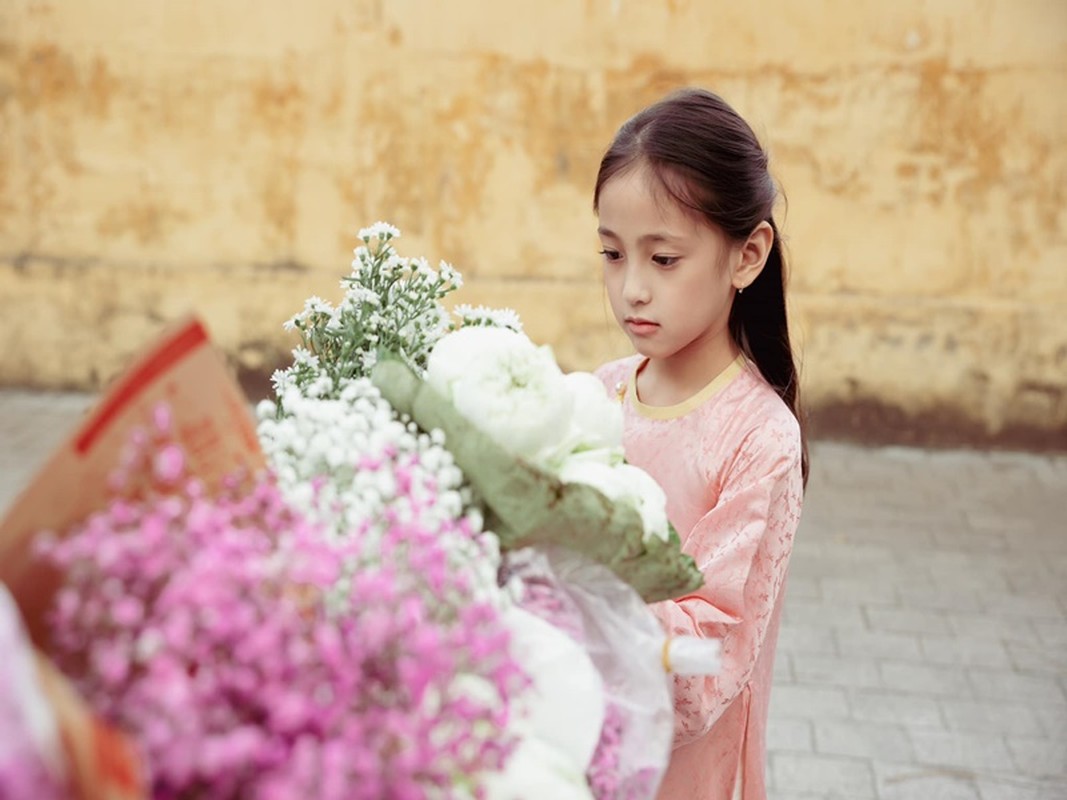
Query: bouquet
point(249, 654)
point(434, 590)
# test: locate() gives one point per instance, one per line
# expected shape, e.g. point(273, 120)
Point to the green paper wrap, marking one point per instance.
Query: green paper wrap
point(528, 506)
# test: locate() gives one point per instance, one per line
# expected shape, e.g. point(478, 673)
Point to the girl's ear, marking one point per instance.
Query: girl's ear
point(753, 255)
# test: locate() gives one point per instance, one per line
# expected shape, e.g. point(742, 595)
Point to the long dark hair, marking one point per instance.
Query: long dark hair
point(709, 160)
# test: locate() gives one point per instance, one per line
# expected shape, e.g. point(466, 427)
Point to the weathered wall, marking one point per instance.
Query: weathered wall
point(219, 157)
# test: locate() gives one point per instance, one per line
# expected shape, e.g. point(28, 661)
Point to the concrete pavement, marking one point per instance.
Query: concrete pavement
point(923, 654)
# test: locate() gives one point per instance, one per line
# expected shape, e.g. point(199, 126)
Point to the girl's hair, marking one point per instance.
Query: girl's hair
point(708, 159)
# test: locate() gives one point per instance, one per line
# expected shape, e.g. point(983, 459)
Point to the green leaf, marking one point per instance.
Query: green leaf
point(529, 506)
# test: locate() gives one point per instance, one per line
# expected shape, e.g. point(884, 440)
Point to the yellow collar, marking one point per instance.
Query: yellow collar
point(684, 407)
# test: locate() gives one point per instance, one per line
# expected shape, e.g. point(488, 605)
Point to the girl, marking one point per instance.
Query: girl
point(694, 272)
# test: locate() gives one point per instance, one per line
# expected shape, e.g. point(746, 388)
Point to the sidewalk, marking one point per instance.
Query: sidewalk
point(923, 655)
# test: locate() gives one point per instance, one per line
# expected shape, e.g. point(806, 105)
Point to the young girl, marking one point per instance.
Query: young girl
point(694, 272)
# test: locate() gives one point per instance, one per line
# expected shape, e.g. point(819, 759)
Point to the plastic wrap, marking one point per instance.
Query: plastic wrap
point(625, 642)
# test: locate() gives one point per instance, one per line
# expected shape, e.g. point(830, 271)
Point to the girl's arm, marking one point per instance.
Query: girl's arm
point(742, 546)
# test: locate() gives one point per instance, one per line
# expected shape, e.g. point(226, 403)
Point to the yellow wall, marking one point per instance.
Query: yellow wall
point(219, 155)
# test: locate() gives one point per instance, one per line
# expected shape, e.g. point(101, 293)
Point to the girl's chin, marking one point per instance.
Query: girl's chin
point(645, 348)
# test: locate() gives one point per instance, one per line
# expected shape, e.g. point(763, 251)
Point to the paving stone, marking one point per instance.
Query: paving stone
point(863, 740)
point(982, 752)
point(836, 671)
point(926, 679)
point(1011, 719)
point(827, 557)
point(823, 614)
point(1037, 541)
point(831, 776)
point(794, 735)
point(877, 644)
point(1053, 719)
point(906, 620)
point(909, 781)
point(1010, 787)
point(1039, 757)
point(803, 587)
point(808, 702)
point(1043, 608)
point(783, 669)
point(982, 626)
point(910, 710)
point(1038, 659)
point(1007, 685)
point(794, 637)
point(973, 651)
point(1051, 632)
point(959, 595)
point(857, 590)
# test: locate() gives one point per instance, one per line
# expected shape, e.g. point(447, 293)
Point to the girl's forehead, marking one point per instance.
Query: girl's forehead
point(637, 198)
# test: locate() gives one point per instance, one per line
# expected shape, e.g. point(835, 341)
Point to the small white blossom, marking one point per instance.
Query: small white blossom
point(379, 230)
point(315, 304)
point(489, 317)
point(335, 455)
point(450, 275)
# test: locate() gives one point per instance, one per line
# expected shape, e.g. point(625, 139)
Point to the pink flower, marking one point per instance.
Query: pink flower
point(227, 635)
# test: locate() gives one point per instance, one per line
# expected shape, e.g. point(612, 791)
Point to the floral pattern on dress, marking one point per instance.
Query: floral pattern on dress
point(731, 471)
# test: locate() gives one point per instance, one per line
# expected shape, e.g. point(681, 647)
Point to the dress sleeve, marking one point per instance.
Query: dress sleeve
point(742, 547)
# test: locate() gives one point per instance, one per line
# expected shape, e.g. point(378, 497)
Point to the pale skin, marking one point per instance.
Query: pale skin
point(671, 278)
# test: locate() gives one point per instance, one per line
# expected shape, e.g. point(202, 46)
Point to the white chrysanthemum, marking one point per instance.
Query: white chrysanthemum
point(504, 384)
point(450, 275)
point(490, 317)
point(302, 357)
point(379, 230)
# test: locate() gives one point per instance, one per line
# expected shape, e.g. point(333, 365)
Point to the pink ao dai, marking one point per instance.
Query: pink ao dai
point(729, 459)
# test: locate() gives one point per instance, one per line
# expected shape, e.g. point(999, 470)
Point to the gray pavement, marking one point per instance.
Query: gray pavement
point(923, 654)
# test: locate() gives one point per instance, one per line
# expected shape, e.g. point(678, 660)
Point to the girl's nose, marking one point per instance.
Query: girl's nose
point(635, 288)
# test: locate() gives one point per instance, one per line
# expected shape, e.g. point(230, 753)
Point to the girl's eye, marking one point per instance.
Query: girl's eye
point(610, 255)
point(665, 261)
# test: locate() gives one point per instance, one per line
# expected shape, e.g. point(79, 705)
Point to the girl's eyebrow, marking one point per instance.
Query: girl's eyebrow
point(650, 238)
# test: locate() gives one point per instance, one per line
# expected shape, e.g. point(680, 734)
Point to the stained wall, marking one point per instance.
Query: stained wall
point(157, 158)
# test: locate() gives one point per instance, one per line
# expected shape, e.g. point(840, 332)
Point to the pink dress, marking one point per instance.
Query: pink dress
point(729, 460)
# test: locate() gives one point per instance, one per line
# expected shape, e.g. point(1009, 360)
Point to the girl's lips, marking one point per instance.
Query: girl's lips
point(641, 327)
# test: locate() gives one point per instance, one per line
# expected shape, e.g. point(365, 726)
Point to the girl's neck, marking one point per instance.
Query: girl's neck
point(673, 380)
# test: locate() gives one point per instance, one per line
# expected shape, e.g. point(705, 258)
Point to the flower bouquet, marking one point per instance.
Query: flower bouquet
point(434, 589)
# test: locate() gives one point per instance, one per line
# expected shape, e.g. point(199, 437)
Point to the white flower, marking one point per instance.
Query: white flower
point(379, 230)
point(597, 417)
point(336, 458)
point(558, 719)
point(623, 483)
point(489, 317)
point(304, 357)
point(536, 770)
point(649, 499)
point(593, 472)
point(30, 724)
point(315, 304)
point(451, 275)
point(510, 388)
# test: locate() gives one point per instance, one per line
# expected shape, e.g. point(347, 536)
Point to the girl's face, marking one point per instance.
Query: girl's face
point(669, 274)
